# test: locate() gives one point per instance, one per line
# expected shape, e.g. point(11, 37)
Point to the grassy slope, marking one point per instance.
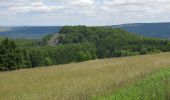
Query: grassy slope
point(153, 87)
point(79, 81)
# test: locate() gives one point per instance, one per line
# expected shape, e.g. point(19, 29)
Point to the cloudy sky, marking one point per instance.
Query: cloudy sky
point(82, 12)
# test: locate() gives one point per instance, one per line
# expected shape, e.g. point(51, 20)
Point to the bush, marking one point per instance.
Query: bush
point(144, 51)
point(48, 61)
point(83, 56)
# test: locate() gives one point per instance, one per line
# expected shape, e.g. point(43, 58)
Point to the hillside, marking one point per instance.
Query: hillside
point(28, 32)
point(54, 40)
point(76, 44)
point(80, 81)
point(112, 42)
point(159, 30)
point(154, 87)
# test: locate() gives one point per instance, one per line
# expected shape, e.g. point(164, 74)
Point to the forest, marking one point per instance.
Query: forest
point(76, 44)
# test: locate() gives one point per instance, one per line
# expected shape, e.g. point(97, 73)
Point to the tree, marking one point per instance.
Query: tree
point(46, 38)
point(83, 56)
point(10, 56)
point(144, 50)
point(48, 61)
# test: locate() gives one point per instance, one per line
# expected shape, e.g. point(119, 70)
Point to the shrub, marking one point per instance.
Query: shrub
point(83, 56)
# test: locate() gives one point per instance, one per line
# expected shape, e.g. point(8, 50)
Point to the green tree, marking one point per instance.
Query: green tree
point(83, 56)
point(144, 50)
point(10, 56)
point(48, 61)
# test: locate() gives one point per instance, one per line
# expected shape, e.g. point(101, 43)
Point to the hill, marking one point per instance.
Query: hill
point(28, 32)
point(111, 42)
point(76, 44)
point(82, 81)
point(158, 30)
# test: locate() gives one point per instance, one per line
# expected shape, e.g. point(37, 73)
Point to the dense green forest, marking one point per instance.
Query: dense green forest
point(13, 56)
point(113, 42)
point(76, 44)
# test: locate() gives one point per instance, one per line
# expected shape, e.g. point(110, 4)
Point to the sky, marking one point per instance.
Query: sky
point(82, 12)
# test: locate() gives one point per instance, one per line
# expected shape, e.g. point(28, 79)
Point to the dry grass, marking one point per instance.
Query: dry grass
point(78, 81)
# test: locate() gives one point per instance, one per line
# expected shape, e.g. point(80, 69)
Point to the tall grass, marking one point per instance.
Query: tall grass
point(79, 81)
point(153, 87)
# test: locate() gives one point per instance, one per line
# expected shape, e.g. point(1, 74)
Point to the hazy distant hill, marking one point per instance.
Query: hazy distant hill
point(161, 30)
point(33, 32)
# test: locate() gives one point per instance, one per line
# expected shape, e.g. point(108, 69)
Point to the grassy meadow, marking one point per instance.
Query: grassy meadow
point(153, 87)
point(98, 79)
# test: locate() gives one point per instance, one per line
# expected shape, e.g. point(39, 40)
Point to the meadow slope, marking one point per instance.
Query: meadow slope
point(154, 87)
point(79, 81)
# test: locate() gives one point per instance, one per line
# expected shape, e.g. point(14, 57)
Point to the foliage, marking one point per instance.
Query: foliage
point(83, 56)
point(10, 56)
point(28, 43)
point(16, 57)
point(46, 38)
point(62, 54)
point(121, 53)
point(112, 42)
point(48, 61)
point(76, 44)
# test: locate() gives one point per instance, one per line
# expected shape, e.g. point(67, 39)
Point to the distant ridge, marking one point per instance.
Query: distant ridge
point(28, 32)
point(158, 30)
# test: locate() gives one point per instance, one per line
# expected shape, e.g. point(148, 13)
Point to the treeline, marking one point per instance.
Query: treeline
point(13, 57)
point(61, 54)
point(76, 44)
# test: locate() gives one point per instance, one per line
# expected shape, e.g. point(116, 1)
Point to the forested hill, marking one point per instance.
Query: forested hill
point(29, 32)
point(159, 30)
point(112, 42)
point(76, 44)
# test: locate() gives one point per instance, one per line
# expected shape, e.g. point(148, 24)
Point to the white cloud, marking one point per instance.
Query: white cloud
point(91, 12)
point(33, 6)
point(81, 2)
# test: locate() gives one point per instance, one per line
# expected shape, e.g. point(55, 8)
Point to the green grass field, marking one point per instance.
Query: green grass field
point(153, 87)
point(116, 78)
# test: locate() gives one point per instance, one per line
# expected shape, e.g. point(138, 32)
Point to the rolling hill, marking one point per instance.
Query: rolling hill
point(158, 30)
point(28, 32)
point(87, 80)
point(76, 44)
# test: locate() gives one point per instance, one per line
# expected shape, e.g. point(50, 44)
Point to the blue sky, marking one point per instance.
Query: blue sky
point(82, 12)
